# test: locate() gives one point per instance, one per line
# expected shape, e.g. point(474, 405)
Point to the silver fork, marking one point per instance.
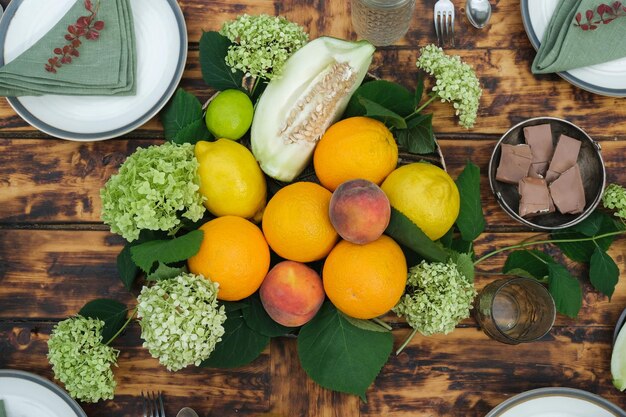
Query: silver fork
point(153, 404)
point(444, 22)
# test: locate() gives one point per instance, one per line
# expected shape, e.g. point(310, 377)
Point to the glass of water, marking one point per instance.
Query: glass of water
point(515, 310)
point(382, 22)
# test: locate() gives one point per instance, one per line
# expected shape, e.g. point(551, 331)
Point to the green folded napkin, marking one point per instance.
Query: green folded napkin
point(90, 51)
point(582, 33)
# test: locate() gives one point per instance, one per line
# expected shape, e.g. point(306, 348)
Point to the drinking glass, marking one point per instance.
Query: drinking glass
point(382, 22)
point(515, 310)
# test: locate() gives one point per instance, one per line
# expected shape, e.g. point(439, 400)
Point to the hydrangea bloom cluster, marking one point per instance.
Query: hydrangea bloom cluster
point(614, 198)
point(456, 82)
point(439, 296)
point(153, 188)
point(181, 321)
point(262, 44)
point(81, 361)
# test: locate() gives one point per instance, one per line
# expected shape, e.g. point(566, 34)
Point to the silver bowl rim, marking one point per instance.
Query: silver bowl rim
point(513, 213)
point(556, 391)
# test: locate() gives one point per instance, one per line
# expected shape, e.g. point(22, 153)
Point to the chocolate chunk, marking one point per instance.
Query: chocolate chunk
point(568, 192)
point(535, 197)
point(514, 163)
point(565, 157)
point(539, 138)
point(538, 169)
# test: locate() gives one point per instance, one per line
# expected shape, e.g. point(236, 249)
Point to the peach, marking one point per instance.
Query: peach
point(292, 293)
point(359, 211)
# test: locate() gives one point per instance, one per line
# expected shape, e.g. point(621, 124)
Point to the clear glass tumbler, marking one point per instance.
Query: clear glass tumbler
point(515, 310)
point(382, 22)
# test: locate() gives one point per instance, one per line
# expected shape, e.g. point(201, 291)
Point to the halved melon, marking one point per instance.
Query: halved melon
point(296, 109)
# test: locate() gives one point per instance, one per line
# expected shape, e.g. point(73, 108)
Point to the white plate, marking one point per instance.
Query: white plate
point(161, 44)
point(556, 402)
point(28, 395)
point(607, 79)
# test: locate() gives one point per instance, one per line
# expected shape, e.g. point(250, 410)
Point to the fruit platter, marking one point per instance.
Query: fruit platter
point(305, 199)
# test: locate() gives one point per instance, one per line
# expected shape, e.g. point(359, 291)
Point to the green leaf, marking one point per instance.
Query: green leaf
point(163, 272)
point(258, 320)
point(528, 264)
point(215, 72)
point(182, 119)
point(404, 231)
point(582, 251)
point(471, 222)
point(126, 267)
point(462, 246)
point(603, 272)
point(565, 289)
point(240, 344)
point(166, 251)
point(364, 324)
point(419, 89)
point(418, 137)
point(230, 306)
point(464, 263)
point(111, 312)
point(446, 240)
point(378, 112)
point(389, 95)
point(339, 355)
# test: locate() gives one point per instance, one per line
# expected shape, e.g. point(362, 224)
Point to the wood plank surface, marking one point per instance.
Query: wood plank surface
point(55, 254)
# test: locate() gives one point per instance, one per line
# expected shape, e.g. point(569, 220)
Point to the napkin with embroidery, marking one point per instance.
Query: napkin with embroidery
point(582, 33)
point(90, 51)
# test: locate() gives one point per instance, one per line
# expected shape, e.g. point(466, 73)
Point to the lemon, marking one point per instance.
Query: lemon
point(618, 361)
point(425, 194)
point(230, 179)
point(229, 114)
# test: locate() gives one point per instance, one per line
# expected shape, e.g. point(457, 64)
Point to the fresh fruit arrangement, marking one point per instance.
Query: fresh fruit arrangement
point(283, 209)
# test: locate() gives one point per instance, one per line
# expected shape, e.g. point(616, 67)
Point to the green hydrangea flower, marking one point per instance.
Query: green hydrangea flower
point(154, 187)
point(262, 44)
point(614, 198)
point(81, 361)
point(437, 299)
point(181, 321)
point(456, 82)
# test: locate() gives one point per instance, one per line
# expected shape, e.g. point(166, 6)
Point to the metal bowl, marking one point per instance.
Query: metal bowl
point(591, 165)
point(512, 406)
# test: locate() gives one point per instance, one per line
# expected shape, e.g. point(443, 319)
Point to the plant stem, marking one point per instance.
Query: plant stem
point(123, 327)
point(382, 323)
point(256, 83)
point(406, 341)
point(543, 242)
point(422, 107)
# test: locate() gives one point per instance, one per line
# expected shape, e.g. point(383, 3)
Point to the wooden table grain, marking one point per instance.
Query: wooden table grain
point(55, 254)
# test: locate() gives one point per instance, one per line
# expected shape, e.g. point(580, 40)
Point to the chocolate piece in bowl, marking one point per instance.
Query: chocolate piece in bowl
point(539, 138)
point(568, 192)
point(565, 157)
point(514, 163)
point(534, 197)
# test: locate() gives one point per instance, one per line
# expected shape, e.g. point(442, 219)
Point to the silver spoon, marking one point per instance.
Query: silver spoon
point(186, 412)
point(478, 12)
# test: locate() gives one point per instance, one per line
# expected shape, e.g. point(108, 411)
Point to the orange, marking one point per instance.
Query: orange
point(357, 147)
point(426, 194)
point(365, 281)
point(296, 223)
point(234, 254)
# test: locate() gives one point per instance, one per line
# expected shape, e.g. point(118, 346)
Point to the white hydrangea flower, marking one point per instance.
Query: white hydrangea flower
point(153, 187)
point(456, 82)
point(180, 320)
point(262, 44)
point(81, 361)
point(437, 299)
point(614, 198)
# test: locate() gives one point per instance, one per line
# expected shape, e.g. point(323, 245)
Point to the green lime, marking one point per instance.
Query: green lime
point(618, 361)
point(229, 114)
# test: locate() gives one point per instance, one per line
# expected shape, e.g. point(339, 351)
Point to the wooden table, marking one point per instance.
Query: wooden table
point(55, 254)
